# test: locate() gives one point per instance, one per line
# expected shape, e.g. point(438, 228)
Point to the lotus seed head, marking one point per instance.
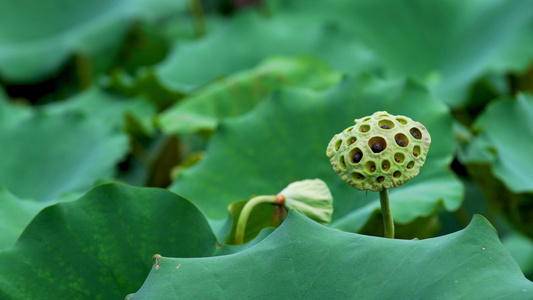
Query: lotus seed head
point(379, 152)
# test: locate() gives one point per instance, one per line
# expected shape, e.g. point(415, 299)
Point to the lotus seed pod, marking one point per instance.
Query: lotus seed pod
point(379, 152)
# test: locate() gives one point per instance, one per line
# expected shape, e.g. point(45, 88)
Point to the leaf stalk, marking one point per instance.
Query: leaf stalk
point(245, 213)
point(197, 11)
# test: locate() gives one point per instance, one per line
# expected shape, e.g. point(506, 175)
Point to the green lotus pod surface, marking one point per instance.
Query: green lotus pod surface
point(310, 197)
point(379, 152)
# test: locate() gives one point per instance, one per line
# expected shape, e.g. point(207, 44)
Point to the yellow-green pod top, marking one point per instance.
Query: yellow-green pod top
point(379, 152)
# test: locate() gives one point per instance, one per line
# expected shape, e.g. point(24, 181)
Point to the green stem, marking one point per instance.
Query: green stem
point(245, 213)
point(388, 223)
point(462, 216)
point(84, 68)
point(265, 10)
point(197, 12)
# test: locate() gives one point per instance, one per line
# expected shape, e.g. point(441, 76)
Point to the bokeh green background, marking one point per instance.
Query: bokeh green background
point(211, 102)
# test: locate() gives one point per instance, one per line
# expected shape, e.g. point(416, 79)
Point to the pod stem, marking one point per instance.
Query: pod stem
point(245, 213)
point(388, 223)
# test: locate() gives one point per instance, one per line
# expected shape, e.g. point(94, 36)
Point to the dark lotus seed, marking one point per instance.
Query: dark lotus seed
point(357, 157)
point(385, 126)
point(415, 135)
point(400, 143)
point(377, 147)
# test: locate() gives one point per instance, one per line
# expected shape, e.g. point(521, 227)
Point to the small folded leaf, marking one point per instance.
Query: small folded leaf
point(311, 198)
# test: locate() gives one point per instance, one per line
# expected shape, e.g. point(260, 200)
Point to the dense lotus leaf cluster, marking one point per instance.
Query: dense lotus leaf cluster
point(379, 152)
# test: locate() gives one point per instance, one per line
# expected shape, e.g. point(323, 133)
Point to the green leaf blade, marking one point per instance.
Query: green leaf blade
point(15, 214)
point(448, 45)
point(248, 39)
point(312, 261)
point(34, 47)
point(241, 92)
point(101, 244)
point(506, 130)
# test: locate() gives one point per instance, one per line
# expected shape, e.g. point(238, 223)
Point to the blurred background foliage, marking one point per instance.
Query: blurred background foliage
point(219, 100)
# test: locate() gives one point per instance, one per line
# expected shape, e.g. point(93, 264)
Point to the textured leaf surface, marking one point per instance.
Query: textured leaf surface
point(34, 46)
point(64, 147)
point(505, 141)
point(302, 259)
point(285, 139)
point(249, 40)
point(240, 92)
point(447, 44)
point(99, 247)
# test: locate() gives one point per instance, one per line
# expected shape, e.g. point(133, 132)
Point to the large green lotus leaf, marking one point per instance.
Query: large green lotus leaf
point(505, 138)
point(44, 154)
point(248, 40)
point(304, 260)
point(239, 93)
point(285, 138)
point(99, 247)
point(15, 214)
point(447, 44)
point(37, 37)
